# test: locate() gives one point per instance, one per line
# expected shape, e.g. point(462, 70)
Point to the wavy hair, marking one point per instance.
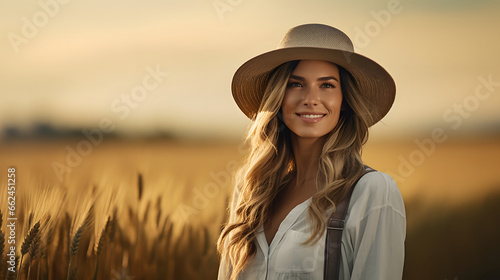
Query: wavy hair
point(270, 165)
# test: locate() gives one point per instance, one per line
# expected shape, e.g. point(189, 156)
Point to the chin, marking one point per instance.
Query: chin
point(310, 134)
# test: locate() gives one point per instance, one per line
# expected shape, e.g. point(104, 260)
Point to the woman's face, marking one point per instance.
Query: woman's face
point(313, 99)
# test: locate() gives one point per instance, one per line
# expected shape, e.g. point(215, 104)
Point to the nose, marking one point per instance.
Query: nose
point(311, 96)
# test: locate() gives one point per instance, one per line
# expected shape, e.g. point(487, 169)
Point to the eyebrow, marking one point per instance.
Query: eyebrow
point(319, 79)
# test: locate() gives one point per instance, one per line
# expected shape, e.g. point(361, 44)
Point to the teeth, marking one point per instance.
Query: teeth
point(311, 116)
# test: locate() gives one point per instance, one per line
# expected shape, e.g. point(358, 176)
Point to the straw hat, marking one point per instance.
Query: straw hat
point(315, 42)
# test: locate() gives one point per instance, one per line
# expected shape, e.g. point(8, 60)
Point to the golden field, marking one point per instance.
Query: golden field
point(153, 209)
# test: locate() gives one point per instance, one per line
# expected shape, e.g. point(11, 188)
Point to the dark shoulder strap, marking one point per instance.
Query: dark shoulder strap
point(335, 226)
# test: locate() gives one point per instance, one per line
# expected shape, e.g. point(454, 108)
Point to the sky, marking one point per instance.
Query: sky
point(142, 66)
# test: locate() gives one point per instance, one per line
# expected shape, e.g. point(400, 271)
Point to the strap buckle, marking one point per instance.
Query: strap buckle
point(336, 224)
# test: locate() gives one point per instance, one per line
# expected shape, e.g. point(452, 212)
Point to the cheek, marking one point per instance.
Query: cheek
point(287, 106)
point(287, 117)
point(335, 103)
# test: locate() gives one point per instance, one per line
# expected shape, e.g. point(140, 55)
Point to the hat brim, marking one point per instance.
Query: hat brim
point(374, 82)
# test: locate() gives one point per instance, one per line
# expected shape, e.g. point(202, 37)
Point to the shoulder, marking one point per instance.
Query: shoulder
point(376, 190)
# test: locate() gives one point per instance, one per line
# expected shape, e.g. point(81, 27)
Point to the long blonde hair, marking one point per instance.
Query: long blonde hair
point(270, 166)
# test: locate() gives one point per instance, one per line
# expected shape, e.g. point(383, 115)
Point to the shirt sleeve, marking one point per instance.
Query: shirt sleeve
point(224, 270)
point(378, 251)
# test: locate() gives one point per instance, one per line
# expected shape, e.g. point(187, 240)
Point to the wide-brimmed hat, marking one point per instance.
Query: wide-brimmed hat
point(314, 42)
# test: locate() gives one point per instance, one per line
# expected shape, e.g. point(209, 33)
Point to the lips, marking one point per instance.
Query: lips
point(310, 116)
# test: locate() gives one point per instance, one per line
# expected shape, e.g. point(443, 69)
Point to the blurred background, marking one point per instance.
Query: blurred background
point(133, 98)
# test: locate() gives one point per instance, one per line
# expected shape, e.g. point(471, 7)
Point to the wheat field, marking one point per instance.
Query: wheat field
point(153, 209)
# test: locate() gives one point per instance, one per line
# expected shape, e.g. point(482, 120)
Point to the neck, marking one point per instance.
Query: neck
point(307, 152)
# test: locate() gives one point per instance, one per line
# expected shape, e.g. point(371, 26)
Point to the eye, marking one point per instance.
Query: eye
point(328, 85)
point(294, 84)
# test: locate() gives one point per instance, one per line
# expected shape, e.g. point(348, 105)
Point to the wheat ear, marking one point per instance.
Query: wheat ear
point(102, 238)
point(29, 238)
point(33, 251)
point(101, 244)
point(140, 186)
point(76, 241)
point(158, 211)
point(34, 247)
point(27, 243)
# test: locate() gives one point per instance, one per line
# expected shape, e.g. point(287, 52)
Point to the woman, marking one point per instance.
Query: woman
point(311, 101)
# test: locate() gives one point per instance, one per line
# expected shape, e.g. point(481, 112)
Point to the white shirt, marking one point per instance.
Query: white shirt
point(372, 240)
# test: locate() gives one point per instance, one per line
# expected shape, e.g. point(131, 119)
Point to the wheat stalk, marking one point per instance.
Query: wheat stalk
point(33, 252)
point(113, 225)
point(206, 241)
point(140, 186)
point(43, 250)
point(75, 242)
point(102, 239)
point(27, 243)
point(100, 245)
point(72, 274)
point(30, 219)
point(2, 245)
point(158, 211)
point(64, 249)
point(29, 238)
point(43, 256)
point(146, 212)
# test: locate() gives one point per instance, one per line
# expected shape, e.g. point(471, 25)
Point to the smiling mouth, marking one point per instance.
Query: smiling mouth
point(311, 116)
